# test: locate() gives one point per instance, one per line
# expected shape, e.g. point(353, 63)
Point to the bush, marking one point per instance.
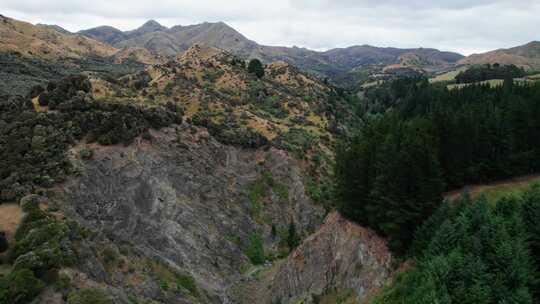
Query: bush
point(293, 240)
point(88, 296)
point(255, 250)
point(86, 154)
point(188, 283)
point(3, 242)
point(19, 287)
point(255, 67)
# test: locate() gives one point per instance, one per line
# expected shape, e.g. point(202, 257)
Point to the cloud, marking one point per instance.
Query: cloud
point(460, 25)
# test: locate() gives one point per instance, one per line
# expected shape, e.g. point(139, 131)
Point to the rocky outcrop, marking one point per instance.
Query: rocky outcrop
point(182, 198)
point(340, 256)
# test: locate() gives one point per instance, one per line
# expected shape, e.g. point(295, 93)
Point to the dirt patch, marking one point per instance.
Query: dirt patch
point(475, 190)
point(10, 217)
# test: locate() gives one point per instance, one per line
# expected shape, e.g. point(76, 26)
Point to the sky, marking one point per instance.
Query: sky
point(464, 26)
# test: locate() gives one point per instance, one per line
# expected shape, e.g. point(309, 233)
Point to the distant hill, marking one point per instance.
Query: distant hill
point(333, 63)
point(47, 42)
point(526, 56)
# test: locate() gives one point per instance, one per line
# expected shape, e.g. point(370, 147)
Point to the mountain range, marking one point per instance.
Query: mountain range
point(170, 41)
point(153, 43)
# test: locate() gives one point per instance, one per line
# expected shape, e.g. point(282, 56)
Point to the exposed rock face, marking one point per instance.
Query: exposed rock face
point(341, 255)
point(183, 200)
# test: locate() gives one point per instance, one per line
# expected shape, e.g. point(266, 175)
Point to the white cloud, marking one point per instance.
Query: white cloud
point(460, 25)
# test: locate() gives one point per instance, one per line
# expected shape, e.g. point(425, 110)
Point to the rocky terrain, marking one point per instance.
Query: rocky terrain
point(187, 201)
point(341, 260)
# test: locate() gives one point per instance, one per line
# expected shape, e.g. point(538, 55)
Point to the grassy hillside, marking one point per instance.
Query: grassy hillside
point(47, 43)
point(526, 56)
point(448, 76)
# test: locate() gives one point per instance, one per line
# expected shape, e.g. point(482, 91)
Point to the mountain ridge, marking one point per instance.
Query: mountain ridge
point(170, 41)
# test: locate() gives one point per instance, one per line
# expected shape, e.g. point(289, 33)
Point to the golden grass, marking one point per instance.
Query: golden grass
point(261, 126)
point(448, 76)
point(10, 218)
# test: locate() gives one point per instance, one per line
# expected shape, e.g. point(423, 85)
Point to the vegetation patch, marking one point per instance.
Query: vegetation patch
point(88, 296)
point(41, 246)
point(255, 249)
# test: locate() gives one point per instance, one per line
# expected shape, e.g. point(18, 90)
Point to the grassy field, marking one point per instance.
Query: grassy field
point(492, 83)
point(496, 191)
point(448, 76)
point(534, 77)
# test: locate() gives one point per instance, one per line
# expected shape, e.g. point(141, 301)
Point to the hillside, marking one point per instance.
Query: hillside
point(526, 56)
point(287, 108)
point(32, 55)
point(180, 183)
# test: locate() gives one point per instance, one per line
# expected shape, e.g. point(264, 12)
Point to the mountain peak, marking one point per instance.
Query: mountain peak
point(152, 26)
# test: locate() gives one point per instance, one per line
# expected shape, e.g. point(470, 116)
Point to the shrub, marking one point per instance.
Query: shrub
point(293, 240)
point(88, 296)
point(3, 242)
point(19, 287)
point(255, 250)
point(86, 154)
point(255, 67)
point(188, 283)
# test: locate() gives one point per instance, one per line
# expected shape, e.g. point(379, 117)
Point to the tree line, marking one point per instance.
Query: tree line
point(488, 71)
point(392, 174)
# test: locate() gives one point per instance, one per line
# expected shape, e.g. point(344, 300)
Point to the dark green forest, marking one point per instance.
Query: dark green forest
point(488, 71)
point(392, 174)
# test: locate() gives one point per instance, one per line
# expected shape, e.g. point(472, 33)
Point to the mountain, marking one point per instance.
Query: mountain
point(526, 56)
point(364, 55)
point(164, 41)
point(333, 63)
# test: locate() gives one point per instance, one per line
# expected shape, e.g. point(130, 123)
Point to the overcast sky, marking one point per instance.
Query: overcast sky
point(465, 26)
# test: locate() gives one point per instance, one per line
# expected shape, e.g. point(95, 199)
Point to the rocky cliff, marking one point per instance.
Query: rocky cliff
point(340, 260)
point(190, 202)
point(178, 204)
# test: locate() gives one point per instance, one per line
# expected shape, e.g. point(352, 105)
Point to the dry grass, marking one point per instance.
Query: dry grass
point(534, 77)
point(10, 218)
point(448, 76)
point(37, 41)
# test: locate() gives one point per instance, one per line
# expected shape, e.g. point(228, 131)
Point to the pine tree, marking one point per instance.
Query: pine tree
point(292, 237)
point(255, 67)
point(3, 242)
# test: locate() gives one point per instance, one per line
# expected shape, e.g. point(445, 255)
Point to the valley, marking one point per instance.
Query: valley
point(189, 164)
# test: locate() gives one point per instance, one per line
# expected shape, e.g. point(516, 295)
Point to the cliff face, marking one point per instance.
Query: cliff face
point(178, 204)
point(341, 259)
point(190, 202)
